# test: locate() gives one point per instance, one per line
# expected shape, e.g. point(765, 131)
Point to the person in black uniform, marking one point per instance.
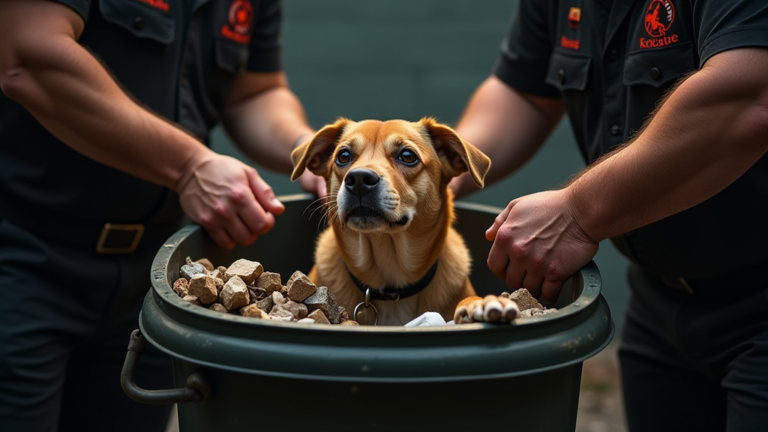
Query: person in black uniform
point(105, 113)
point(668, 100)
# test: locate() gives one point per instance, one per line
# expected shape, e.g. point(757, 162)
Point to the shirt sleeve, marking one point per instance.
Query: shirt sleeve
point(725, 25)
point(82, 7)
point(266, 40)
point(525, 51)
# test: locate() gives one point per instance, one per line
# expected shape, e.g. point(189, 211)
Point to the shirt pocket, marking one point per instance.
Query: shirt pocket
point(141, 20)
point(658, 67)
point(568, 71)
point(231, 56)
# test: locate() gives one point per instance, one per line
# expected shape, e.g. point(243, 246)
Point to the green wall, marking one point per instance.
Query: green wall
point(408, 59)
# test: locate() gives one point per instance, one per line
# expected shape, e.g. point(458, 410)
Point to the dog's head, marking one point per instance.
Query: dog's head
point(381, 175)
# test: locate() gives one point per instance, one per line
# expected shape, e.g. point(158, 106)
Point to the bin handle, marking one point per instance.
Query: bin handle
point(197, 390)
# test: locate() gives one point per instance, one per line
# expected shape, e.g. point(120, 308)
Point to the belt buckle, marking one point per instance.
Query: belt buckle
point(138, 231)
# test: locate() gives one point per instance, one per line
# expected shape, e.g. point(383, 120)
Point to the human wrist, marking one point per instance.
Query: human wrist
point(583, 213)
point(197, 157)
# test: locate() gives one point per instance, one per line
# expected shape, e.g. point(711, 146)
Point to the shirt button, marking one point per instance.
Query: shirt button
point(655, 73)
point(561, 75)
point(138, 23)
point(613, 55)
point(615, 130)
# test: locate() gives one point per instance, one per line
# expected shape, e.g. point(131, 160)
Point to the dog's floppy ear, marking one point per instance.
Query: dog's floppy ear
point(313, 154)
point(460, 156)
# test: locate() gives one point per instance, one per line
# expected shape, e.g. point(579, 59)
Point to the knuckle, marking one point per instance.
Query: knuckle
point(220, 210)
point(519, 250)
point(504, 234)
point(237, 195)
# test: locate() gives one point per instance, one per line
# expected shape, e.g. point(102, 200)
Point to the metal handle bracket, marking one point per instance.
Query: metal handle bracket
point(197, 390)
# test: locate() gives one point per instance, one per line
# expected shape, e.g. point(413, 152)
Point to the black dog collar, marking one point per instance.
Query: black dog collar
point(392, 293)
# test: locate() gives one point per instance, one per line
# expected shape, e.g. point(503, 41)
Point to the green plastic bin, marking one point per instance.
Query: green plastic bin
point(255, 375)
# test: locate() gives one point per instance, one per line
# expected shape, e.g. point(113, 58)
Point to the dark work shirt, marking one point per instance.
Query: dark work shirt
point(611, 73)
point(178, 58)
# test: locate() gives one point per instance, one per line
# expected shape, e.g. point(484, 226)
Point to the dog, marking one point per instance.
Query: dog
point(390, 250)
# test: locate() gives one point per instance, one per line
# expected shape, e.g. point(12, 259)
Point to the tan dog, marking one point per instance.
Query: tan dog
point(390, 214)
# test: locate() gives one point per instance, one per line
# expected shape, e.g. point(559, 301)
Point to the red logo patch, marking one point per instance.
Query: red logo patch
point(659, 17)
point(574, 17)
point(160, 4)
point(240, 18)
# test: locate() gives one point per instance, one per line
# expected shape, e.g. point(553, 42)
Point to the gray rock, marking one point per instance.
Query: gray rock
point(319, 317)
point(246, 270)
point(324, 300)
point(269, 282)
point(204, 288)
point(234, 294)
point(299, 287)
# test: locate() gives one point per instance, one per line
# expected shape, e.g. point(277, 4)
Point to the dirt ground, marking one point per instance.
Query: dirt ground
point(600, 405)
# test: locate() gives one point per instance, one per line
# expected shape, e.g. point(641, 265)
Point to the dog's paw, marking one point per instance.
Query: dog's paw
point(489, 309)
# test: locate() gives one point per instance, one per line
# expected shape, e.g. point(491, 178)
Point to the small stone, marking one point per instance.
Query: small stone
point(343, 315)
point(319, 317)
point(205, 262)
point(279, 313)
point(306, 321)
point(181, 286)
point(204, 287)
point(536, 312)
point(524, 300)
point(222, 273)
point(277, 298)
point(254, 312)
point(234, 294)
point(265, 304)
point(349, 323)
point(192, 299)
point(218, 307)
point(246, 270)
point(299, 287)
point(299, 310)
point(324, 300)
point(269, 282)
point(191, 269)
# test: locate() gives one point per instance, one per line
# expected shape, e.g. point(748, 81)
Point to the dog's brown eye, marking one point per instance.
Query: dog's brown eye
point(343, 157)
point(408, 157)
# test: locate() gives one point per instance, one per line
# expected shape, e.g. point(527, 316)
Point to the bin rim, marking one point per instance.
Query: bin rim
point(589, 274)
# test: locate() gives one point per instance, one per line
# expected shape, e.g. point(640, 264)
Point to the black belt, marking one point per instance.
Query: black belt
point(101, 237)
point(752, 278)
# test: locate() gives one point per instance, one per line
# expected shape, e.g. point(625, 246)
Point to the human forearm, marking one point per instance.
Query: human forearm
point(73, 96)
point(710, 130)
point(266, 124)
point(506, 125)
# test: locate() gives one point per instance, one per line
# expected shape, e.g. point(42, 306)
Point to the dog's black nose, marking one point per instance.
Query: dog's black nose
point(361, 181)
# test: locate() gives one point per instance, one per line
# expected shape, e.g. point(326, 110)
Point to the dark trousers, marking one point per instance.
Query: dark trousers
point(66, 315)
point(695, 362)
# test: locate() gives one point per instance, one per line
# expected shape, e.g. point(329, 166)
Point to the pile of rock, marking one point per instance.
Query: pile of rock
point(245, 288)
point(527, 304)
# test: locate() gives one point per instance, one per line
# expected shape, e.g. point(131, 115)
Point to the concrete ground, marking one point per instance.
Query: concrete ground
point(600, 403)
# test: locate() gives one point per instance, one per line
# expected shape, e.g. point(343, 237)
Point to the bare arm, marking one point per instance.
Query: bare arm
point(265, 119)
point(710, 130)
point(507, 125)
point(43, 68)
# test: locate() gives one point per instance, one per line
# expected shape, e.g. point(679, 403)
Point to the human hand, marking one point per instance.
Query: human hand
point(229, 199)
point(538, 244)
point(313, 184)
